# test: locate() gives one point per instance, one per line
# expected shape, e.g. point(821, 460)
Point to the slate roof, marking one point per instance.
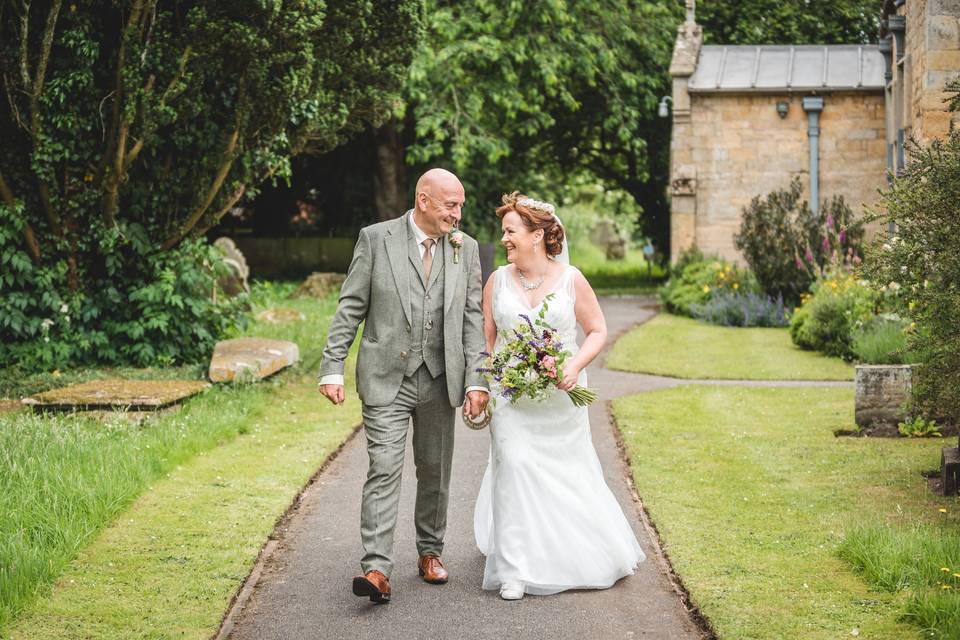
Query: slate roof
point(778, 68)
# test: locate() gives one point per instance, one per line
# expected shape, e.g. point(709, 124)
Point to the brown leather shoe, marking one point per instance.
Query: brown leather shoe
point(373, 584)
point(432, 570)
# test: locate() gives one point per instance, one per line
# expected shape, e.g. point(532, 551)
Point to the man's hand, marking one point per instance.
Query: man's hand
point(476, 403)
point(333, 392)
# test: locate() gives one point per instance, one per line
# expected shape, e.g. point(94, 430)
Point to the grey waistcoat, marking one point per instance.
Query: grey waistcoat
point(426, 308)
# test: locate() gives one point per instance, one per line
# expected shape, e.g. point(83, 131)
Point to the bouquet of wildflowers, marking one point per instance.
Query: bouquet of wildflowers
point(530, 362)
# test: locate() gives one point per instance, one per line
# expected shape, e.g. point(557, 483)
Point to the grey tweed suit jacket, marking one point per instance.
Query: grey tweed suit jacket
point(377, 292)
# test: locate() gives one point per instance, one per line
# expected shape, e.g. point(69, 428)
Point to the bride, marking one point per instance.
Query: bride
point(545, 519)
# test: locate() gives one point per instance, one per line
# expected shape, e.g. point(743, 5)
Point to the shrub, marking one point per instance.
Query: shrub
point(700, 280)
point(921, 258)
point(742, 310)
point(787, 245)
point(881, 340)
point(145, 307)
point(827, 318)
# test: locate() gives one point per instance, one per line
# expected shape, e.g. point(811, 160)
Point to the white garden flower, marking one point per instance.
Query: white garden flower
point(46, 324)
point(64, 308)
point(893, 286)
point(886, 247)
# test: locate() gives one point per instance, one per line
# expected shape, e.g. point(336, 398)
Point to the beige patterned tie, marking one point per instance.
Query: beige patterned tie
point(427, 257)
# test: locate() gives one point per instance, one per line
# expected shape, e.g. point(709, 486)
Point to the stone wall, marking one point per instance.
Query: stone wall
point(932, 47)
point(736, 147)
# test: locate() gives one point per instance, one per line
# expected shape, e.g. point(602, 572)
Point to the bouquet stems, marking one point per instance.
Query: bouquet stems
point(582, 396)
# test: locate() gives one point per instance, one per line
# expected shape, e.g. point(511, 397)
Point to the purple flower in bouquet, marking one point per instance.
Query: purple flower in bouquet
point(843, 236)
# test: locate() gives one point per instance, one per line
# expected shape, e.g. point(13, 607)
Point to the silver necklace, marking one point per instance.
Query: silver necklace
point(526, 284)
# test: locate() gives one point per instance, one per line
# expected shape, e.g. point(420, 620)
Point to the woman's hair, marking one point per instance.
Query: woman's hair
point(534, 217)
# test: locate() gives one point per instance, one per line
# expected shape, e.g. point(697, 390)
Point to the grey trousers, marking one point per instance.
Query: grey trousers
point(425, 400)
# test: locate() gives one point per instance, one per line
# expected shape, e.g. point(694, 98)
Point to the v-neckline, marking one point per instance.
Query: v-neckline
point(523, 298)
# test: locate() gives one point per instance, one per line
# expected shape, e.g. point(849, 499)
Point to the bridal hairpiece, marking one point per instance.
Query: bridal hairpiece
point(536, 204)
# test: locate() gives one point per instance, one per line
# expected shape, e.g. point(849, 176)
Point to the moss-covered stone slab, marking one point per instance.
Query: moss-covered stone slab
point(251, 358)
point(127, 395)
point(320, 284)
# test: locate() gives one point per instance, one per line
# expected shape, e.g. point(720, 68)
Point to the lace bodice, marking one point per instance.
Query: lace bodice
point(509, 302)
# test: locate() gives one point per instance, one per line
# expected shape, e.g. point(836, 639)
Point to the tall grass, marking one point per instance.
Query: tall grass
point(922, 561)
point(63, 477)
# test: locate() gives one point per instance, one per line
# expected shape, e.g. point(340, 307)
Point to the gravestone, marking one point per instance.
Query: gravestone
point(881, 393)
point(250, 358)
point(950, 469)
point(320, 284)
point(235, 282)
point(116, 394)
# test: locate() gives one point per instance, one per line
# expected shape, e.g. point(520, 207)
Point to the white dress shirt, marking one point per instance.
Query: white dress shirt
point(336, 378)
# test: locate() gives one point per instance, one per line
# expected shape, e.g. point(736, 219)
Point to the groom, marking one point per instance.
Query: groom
point(420, 300)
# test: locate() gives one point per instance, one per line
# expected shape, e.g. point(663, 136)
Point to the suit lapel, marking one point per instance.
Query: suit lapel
point(451, 272)
point(397, 250)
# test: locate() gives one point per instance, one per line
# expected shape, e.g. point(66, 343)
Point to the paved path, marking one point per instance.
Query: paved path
point(302, 589)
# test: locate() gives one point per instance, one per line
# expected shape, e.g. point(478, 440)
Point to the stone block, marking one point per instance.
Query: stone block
point(944, 7)
point(943, 32)
point(863, 134)
point(949, 470)
point(881, 392)
point(943, 60)
point(319, 285)
point(127, 395)
point(250, 358)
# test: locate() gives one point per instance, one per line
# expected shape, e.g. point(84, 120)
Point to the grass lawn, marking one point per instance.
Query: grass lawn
point(754, 499)
point(680, 347)
point(148, 530)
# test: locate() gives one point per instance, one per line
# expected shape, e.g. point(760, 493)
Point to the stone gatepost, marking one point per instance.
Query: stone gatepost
point(683, 180)
point(881, 393)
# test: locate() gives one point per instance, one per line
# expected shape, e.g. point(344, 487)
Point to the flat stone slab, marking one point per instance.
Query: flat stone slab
point(126, 395)
point(251, 358)
point(280, 315)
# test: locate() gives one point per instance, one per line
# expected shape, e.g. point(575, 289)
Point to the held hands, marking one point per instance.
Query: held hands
point(475, 403)
point(333, 392)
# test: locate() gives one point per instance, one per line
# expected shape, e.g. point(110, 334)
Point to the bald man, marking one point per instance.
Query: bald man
point(422, 337)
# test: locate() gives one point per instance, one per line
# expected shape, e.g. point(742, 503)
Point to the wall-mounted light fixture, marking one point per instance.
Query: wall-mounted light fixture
point(663, 109)
point(783, 108)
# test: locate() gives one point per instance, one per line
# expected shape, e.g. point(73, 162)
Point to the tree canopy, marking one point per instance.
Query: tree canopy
point(131, 126)
point(789, 21)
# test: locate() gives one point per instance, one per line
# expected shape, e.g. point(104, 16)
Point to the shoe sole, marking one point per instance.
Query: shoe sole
point(364, 588)
point(438, 581)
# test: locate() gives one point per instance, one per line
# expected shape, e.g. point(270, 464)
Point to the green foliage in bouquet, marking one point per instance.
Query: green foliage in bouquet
point(529, 362)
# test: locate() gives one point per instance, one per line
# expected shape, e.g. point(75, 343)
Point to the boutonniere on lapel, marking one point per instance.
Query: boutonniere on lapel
point(455, 237)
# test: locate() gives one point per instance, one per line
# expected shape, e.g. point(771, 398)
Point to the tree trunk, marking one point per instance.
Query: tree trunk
point(390, 176)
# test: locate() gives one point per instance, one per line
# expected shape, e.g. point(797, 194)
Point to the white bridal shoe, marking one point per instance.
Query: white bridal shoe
point(511, 591)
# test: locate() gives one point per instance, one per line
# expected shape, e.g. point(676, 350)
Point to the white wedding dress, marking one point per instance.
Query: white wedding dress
point(545, 518)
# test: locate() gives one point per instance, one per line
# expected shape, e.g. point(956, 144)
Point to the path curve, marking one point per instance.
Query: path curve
point(301, 586)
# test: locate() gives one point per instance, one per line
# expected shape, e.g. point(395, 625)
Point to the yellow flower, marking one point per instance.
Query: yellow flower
point(945, 586)
point(722, 275)
point(728, 269)
point(796, 309)
point(942, 509)
point(956, 575)
point(833, 285)
point(706, 288)
point(945, 569)
point(736, 285)
point(55, 373)
point(911, 305)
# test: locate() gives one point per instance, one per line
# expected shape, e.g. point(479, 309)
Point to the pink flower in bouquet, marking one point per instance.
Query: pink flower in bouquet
point(455, 238)
point(549, 364)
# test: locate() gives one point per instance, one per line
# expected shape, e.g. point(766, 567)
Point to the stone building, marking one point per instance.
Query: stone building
point(747, 119)
point(920, 42)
